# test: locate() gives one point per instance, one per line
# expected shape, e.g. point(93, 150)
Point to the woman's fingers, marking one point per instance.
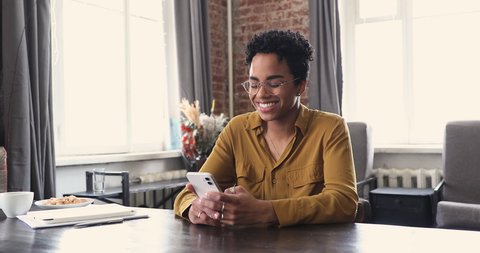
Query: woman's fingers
point(190, 187)
point(218, 209)
point(206, 211)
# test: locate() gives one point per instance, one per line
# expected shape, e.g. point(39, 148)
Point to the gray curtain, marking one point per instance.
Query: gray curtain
point(26, 97)
point(326, 79)
point(191, 21)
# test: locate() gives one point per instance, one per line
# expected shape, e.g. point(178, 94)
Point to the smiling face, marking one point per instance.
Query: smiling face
point(282, 105)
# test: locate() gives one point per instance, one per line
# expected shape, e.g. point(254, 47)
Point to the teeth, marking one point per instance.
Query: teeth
point(265, 105)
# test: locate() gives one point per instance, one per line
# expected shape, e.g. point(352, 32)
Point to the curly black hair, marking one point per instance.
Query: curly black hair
point(288, 45)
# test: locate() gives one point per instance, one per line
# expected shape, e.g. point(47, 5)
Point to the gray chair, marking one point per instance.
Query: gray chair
point(459, 192)
point(362, 147)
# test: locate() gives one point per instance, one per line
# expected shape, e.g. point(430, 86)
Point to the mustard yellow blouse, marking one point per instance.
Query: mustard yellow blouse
point(313, 182)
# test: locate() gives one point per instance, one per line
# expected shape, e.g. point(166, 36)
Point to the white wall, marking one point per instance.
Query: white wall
point(407, 160)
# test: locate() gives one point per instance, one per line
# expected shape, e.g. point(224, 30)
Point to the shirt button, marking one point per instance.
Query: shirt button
point(274, 181)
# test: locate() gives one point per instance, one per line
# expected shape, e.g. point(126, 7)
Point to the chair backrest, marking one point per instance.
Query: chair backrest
point(361, 137)
point(461, 162)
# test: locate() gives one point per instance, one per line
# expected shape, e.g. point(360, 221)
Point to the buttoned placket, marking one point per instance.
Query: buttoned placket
point(273, 168)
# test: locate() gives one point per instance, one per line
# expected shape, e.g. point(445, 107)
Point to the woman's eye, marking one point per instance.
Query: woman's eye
point(275, 85)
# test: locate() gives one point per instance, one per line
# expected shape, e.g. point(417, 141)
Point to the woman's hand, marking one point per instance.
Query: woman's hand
point(236, 206)
point(241, 208)
point(201, 211)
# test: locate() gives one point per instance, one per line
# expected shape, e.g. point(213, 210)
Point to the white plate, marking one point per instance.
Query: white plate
point(40, 203)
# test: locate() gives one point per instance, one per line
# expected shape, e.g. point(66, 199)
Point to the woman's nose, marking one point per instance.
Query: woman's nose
point(263, 90)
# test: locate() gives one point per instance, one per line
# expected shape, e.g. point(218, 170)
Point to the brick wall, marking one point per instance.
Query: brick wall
point(249, 17)
point(217, 14)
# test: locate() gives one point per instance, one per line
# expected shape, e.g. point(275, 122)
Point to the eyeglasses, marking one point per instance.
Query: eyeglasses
point(252, 87)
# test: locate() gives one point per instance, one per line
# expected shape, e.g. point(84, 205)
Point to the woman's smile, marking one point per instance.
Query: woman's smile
point(266, 106)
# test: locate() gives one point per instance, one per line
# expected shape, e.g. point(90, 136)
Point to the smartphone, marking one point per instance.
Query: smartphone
point(203, 182)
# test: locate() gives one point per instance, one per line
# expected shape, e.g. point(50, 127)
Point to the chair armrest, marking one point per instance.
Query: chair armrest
point(364, 211)
point(437, 193)
point(439, 187)
point(458, 215)
point(371, 181)
point(436, 197)
point(365, 186)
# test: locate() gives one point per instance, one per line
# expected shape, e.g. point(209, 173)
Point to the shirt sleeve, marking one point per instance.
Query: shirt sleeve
point(220, 164)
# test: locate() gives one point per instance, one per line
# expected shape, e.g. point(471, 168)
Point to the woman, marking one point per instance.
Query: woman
point(283, 164)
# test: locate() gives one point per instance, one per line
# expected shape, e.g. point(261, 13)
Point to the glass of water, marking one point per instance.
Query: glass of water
point(99, 180)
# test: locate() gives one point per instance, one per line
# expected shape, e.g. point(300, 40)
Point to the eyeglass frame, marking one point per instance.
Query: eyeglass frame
point(268, 87)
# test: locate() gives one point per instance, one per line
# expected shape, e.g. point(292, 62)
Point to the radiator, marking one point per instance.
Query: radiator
point(407, 177)
point(152, 198)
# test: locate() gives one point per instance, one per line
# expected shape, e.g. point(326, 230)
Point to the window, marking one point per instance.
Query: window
point(114, 75)
point(410, 66)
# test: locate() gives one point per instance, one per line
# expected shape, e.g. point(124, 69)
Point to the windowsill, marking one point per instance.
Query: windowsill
point(111, 158)
point(409, 149)
point(128, 157)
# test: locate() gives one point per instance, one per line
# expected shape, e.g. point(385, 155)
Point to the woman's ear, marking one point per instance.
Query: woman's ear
point(301, 87)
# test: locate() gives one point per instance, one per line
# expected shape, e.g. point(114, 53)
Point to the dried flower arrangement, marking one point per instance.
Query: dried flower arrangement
point(199, 131)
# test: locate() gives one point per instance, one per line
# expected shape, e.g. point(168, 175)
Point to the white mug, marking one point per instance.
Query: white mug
point(15, 203)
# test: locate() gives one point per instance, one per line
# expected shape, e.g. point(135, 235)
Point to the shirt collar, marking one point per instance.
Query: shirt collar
point(303, 118)
point(254, 121)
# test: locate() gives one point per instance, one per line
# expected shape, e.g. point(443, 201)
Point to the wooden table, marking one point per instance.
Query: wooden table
point(163, 232)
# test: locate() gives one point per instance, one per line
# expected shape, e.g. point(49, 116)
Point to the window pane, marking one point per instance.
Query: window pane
point(379, 80)
point(377, 8)
point(110, 75)
point(445, 73)
point(115, 5)
point(148, 77)
point(94, 79)
point(409, 78)
point(423, 8)
point(147, 9)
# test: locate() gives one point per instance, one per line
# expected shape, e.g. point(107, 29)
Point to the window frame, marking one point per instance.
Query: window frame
point(350, 17)
point(169, 146)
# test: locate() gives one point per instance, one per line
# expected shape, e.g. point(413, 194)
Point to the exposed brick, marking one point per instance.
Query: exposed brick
point(249, 17)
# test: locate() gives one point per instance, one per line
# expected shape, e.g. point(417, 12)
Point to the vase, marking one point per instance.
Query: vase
point(200, 160)
point(195, 164)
